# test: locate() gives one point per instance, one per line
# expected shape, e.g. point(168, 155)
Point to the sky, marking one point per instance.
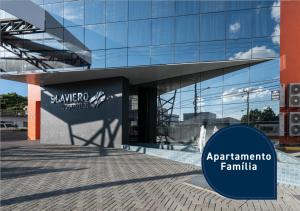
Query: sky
point(7, 86)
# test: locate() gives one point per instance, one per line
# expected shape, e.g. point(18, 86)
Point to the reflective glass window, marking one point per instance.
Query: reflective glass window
point(264, 24)
point(53, 38)
point(212, 26)
point(212, 51)
point(116, 57)
point(162, 31)
point(52, 1)
point(239, 49)
point(187, 7)
point(238, 5)
point(266, 71)
point(116, 10)
point(55, 17)
point(73, 35)
point(139, 9)
point(94, 11)
point(163, 8)
point(210, 94)
point(267, 47)
point(116, 35)
point(187, 52)
point(211, 6)
point(95, 36)
point(73, 13)
point(162, 55)
point(35, 40)
point(265, 3)
point(138, 56)
point(239, 24)
point(98, 59)
point(187, 29)
point(38, 1)
point(237, 77)
point(139, 33)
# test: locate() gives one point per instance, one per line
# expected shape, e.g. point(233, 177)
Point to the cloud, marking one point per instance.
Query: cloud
point(275, 14)
point(235, 94)
point(276, 35)
point(255, 52)
point(200, 102)
point(234, 27)
point(73, 14)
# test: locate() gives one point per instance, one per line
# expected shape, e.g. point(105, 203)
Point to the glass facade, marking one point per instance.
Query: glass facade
point(126, 33)
point(216, 102)
point(167, 31)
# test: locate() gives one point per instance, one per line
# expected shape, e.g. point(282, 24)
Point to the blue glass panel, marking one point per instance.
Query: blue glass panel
point(95, 36)
point(212, 51)
point(138, 56)
point(187, 52)
point(116, 57)
point(265, 3)
point(98, 59)
point(116, 10)
point(73, 13)
point(266, 71)
point(239, 24)
point(94, 11)
point(212, 26)
point(139, 33)
point(238, 5)
point(139, 9)
point(76, 34)
point(163, 8)
point(52, 1)
point(237, 77)
point(239, 49)
point(187, 29)
point(187, 7)
point(264, 25)
point(211, 6)
point(163, 31)
point(162, 55)
point(56, 12)
point(116, 35)
point(38, 1)
point(267, 47)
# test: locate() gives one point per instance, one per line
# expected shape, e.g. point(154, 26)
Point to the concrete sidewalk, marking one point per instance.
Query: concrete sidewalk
point(51, 177)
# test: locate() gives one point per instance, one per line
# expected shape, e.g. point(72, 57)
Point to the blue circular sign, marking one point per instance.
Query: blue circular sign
point(239, 162)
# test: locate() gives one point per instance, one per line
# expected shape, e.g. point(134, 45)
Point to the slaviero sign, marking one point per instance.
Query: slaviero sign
point(79, 100)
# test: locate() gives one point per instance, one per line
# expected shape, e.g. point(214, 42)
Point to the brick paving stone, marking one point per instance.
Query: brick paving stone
point(51, 177)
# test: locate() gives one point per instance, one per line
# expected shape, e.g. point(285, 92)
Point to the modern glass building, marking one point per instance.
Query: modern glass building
point(177, 65)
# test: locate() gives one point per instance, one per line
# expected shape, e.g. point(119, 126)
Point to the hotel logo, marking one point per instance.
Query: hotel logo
point(79, 100)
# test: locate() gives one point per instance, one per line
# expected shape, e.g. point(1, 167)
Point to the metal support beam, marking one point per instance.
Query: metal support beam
point(165, 114)
point(18, 26)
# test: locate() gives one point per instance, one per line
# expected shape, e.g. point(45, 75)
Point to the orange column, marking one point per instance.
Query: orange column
point(289, 51)
point(34, 100)
point(290, 41)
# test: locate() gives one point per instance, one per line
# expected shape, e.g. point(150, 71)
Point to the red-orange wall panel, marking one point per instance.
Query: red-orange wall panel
point(34, 98)
point(289, 51)
point(290, 41)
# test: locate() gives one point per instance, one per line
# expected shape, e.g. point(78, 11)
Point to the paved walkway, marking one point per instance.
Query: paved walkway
point(44, 177)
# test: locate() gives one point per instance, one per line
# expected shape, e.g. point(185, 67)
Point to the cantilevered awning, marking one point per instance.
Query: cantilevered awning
point(136, 75)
